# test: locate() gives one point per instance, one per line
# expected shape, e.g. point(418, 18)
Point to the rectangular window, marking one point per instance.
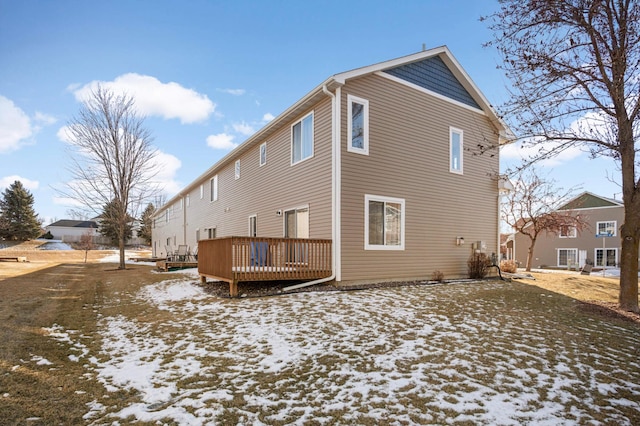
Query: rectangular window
point(455, 150)
point(188, 200)
point(166, 215)
point(237, 169)
point(197, 235)
point(384, 223)
point(567, 231)
point(214, 188)
point(302, 139)
point(211, 233)
point(567, 257)
point(263, 154)
point(606, 257)
point(253, 225)
point(181, 203)
point(201, 192)
point(609, 227)
point(357, 125)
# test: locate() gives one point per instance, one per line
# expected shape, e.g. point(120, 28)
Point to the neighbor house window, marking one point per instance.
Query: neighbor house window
point(181, 203)
point(188, 200)
point(606, 257)
point(263, 154)
point(211, 233)
point(609, 227)
point(455, 150)
point(166, 215)
point(567, 257)
point(201, 192)
point(214, 188)
point(567, 231)
point(253, 225)
point(358, 125)
point(384, 223)
point(302, 139)
point(237, 169)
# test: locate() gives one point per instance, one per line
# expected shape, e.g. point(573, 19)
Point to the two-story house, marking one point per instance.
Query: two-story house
point(382, 166)
point(598, 243)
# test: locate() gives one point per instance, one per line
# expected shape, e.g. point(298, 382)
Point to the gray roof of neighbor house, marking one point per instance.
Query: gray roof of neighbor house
point(434, 69)
point(67, 223)
point(588, 200)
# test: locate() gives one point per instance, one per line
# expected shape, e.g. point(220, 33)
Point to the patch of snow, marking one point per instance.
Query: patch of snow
point(54, 245)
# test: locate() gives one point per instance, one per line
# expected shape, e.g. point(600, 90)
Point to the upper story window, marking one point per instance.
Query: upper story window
point(384, 223)
point(302, 139)
point(181, 203)
point(188, 200)
point(166, 215)
point(214, 188)
point(237, 169)
point(263, 154)
point(567, 231)
point(201, 192)
point(609, 227)
point(357, 125)
point(455, 150)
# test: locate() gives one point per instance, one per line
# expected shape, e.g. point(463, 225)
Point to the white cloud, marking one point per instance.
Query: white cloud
point(15, 126)
point(268, 117)
point(31, 185)
point(64, 135)
point(152, 97)
point(244, 129)
point(221, 141)
point(234, 92)
point(167, 166)
point(43, 118)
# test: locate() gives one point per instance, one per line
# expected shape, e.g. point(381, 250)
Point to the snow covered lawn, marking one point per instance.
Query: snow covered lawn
point(481, 353)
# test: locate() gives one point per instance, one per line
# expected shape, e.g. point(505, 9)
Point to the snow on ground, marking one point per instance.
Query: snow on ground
point(409, 355)
point(55, 245)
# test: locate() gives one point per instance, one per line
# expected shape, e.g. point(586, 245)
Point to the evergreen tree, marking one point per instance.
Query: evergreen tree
point(110, 224)
point(18, 220)
point(147, 223)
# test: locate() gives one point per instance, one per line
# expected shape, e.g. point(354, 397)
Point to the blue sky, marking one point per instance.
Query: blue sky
point(209, 73)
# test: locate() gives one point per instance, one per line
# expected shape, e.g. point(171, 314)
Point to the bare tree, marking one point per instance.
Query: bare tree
point(529, 210)
point(112, 160)
point(86, 243)
point(575, 70)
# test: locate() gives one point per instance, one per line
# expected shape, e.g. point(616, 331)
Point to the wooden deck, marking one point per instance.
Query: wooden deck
point(166, 265)
point(13, 258)
point(248, 259)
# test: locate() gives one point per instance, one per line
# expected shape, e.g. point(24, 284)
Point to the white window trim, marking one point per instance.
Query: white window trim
point(350, 148)
point(595, 255)
point(312, 138)
point(237, 169)
point(453, 130)
point(558, 256)
point(573, 234)
point(401, 201)
point(253, 216)
point(188, 200)
point(263, 147)
point(214, 189)
point(615, 226)
point(201, 191)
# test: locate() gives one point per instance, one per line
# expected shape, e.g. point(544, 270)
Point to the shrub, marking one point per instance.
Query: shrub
point(509, 266)
point(48, 236)
point(437, 276)
point(478, 265)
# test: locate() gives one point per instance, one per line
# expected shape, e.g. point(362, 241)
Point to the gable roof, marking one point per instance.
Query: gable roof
point(75, 223)
point(588, 200)
point(418, 69)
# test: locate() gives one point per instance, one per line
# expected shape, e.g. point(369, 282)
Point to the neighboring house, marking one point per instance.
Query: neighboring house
point(70, 231)
point(572, 248)
point(383, 162)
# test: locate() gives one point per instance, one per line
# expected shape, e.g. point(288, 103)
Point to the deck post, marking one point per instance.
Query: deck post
point(233, 288)
point(203, 279)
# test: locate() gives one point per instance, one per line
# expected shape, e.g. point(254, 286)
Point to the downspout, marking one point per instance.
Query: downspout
point(335, 117)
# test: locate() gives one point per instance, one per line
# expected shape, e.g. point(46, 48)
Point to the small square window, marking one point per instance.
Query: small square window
point(567, 231)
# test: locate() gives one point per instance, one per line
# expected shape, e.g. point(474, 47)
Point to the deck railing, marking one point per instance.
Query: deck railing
point(236, 259)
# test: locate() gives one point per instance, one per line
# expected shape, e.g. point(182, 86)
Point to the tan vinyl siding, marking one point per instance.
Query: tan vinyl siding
point(263, 191)
point(545, 252)
point(409, 158)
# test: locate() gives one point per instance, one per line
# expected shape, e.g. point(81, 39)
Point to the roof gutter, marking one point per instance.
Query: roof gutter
point(335, 214)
